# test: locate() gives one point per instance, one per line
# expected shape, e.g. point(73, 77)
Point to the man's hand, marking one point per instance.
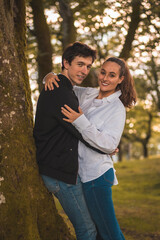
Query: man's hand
point(113, 153)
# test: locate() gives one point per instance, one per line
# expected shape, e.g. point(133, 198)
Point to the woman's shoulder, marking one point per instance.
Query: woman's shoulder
point(118, 105)
point(85, 91)
point(120, 108)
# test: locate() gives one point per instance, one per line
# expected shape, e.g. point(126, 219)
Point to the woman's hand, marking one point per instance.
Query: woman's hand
point(70, 113)
point(73, 115)
point(49, 80)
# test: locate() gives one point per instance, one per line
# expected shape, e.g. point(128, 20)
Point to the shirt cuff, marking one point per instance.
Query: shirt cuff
point(44, 79)
point(81, 123)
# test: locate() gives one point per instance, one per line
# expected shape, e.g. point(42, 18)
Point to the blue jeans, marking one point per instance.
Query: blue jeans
point(98, 195)
point(72, 200)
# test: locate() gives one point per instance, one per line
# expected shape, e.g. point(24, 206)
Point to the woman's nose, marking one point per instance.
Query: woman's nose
point(105, 78)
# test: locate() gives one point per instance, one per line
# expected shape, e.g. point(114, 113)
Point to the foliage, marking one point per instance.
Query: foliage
point(139, 127)
point(119, 28)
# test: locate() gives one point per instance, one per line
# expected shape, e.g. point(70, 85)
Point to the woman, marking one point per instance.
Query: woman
point(101, 120)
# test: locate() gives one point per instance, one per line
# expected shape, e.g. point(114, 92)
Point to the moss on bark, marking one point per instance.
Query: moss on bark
point(27, 210)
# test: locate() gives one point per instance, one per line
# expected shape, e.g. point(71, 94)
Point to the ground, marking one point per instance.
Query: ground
point(136, 199)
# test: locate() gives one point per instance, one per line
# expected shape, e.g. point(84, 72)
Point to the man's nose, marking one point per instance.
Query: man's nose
point(85, 70)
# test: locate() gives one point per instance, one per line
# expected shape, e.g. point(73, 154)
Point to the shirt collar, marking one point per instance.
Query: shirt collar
point(108, 99)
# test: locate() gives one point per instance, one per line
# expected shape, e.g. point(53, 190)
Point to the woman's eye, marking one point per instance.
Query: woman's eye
point(112, 75)
point(103, 73)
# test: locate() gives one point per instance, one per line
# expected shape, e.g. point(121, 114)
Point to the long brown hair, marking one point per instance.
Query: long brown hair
point(128, 96)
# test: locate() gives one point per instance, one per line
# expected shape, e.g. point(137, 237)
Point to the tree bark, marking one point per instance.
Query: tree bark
point(41, 30)
point(135, 19)
point(149, 132)
point(155, 81)
point(120, 154)
point(145, 150)
point(68, 28)
point(27, 209)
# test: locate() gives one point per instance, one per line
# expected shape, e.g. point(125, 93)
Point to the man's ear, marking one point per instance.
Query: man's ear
point(65, 63)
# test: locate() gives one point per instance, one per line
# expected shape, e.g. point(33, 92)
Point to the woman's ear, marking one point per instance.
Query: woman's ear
point(121, 79)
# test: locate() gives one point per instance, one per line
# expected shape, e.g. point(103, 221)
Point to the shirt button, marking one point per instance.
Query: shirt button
point(70, 149)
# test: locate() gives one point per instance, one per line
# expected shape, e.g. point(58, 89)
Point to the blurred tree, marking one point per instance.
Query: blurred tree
point(27, 209)
point(118, 28)
point(70, 11)
point(152, 72)
point(139, 127)
point(43, 38)
point(132, 28)
point(68, 29)
point(140, 121)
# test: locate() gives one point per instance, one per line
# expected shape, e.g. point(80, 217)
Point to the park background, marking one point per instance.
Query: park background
point(33, 35)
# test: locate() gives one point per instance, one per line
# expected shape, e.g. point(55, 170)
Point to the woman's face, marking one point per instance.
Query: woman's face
point(109, 78)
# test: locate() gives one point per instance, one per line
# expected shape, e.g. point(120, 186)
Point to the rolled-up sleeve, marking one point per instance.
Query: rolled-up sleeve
point(107, 137)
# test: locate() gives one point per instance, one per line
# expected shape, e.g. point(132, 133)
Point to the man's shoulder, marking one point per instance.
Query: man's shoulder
point(64, 82)
point(51, 93)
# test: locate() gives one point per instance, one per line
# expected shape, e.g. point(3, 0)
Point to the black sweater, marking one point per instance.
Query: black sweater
point(56, 140)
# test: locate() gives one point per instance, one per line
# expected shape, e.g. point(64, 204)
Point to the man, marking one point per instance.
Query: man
point(57, 141)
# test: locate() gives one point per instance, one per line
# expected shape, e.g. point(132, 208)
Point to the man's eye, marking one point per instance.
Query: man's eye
point(88, 67)
point(80, 64)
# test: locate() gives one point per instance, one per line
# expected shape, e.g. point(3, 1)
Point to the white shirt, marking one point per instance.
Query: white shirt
point(101, 126)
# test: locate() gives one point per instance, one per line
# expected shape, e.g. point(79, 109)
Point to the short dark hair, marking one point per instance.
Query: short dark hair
point(78, 49)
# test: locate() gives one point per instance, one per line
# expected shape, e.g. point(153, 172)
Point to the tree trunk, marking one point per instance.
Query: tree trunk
point(155, 82)
point(68, 28)
point(145, 150)
point(135, 19)
point(120, 152)
point(149, 132)
point(27, 209)
point(44, 56)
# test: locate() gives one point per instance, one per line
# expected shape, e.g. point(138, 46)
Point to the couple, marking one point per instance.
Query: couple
point(73, 143)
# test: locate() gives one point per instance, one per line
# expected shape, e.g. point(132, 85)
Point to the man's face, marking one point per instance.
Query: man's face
point(78, 70)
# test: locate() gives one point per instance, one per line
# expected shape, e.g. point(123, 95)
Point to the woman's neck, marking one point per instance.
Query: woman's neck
point(103, 94)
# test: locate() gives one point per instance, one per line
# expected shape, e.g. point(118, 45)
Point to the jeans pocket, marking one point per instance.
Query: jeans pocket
point(109, 176)
point(51, 184)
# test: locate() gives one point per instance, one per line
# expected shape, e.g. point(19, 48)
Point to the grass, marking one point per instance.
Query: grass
point(136, 199)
